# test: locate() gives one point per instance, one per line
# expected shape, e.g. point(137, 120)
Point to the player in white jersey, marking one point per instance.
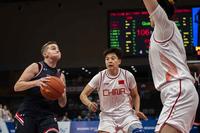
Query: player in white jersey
point(170, 72)
point(118, 95)
point(195, 69)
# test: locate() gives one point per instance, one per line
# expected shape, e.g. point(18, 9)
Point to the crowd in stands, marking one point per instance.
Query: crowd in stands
point(5, 113)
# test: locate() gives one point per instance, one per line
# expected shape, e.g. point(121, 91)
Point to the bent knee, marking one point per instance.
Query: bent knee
point(136, 128)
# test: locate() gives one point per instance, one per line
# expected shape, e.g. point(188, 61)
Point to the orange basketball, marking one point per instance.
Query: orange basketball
point(54, 88)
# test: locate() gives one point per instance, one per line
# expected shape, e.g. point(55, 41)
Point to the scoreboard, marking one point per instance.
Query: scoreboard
point(131, 31)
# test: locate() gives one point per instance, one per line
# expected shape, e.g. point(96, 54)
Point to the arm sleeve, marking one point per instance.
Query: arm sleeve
point(95, 81)
point(131, 80)
point(163, 29)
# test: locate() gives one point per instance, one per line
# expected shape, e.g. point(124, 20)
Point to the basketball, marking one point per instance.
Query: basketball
point(54, 88)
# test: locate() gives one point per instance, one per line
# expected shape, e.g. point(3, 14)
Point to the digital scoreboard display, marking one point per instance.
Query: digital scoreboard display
point(131, 31)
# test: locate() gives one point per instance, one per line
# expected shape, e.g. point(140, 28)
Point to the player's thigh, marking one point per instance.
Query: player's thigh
point(169, 129)
point(25, 125)
point(136, 128)
point(131, 123)
point(48, 125)
point(106, 126)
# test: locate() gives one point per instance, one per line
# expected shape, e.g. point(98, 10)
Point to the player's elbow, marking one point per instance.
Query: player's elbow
point(62, 101)
point(62, 104)
point(16, 87)
point(82, 96)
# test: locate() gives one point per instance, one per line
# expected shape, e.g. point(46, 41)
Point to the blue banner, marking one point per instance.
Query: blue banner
point(84, 127)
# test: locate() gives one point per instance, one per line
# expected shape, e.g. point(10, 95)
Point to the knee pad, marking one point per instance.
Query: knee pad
point(136, 128)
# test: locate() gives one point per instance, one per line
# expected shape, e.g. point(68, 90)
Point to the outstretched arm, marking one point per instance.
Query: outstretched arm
point(150, 5)
point(163, 26)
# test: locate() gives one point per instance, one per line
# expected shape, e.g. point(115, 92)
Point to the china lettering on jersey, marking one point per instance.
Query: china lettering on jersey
point(120, 91)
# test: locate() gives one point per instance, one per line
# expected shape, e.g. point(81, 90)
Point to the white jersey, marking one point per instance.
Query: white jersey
point(114, 93)
point(167, 54)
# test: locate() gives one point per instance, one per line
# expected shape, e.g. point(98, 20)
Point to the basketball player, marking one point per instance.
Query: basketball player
point(118, 95)
point(196, 74)
point(170, 72)
point(35, 114)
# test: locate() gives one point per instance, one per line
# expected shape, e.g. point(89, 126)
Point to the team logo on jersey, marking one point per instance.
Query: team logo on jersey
point(120, 81)
point(113, 92)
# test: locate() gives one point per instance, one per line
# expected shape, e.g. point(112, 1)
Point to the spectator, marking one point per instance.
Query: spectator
point(1, 111)
point(65, 117)
point(7, 116)
point(79, 118)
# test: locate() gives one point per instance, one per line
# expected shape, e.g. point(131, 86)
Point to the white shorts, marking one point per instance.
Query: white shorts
point(117, 124)
point(180, 101)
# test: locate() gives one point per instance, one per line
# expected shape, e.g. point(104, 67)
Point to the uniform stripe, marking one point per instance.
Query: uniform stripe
point(51, 129)
point(41, 67)
point(113, 77)
point(197, 123)
point(127, 83)
point(100, 80)
point(174, 102)
point(19, 118)
point(170, 66)
point(164, 40)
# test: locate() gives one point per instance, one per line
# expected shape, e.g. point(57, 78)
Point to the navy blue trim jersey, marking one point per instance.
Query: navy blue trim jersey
point(34, 103)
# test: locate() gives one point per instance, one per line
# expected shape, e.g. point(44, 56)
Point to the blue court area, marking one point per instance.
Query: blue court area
point(86, 127)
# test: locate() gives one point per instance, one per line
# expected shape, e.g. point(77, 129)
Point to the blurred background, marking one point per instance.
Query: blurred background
point(83, 30)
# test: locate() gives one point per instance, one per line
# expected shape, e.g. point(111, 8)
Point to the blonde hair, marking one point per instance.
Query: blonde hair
point(171, 2)
point(44, 47)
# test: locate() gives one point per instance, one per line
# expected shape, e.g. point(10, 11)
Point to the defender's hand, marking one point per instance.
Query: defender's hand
point(141, 115)
point(93, 106)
